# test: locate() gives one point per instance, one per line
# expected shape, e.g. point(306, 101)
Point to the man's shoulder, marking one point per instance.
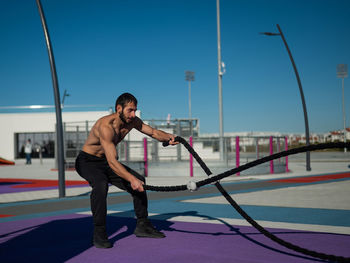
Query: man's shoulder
point(105, 121)
point(102, 124)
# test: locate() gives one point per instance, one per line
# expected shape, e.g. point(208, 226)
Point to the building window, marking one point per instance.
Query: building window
point(44, 141)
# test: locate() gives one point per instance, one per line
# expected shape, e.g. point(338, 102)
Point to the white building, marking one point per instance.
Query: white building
point(16, 128)
point(40, 128)
point(338, 135)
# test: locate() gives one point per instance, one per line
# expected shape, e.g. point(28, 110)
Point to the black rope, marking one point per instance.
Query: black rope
point(241, 168)
point(246, 166)
point(238, 208)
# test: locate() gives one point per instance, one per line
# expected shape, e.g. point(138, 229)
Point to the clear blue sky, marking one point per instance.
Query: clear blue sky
point(103, 48)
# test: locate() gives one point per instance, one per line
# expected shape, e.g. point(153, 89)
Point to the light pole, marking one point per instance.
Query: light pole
point(189, 76)
point(307, 134)
point(342, 72)
point(59, 128)
point(220, 73)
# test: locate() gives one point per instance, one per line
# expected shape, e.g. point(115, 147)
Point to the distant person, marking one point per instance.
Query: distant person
point(98, 164)
point(28, 151)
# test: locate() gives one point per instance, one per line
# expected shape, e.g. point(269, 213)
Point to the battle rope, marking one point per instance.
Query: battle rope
point(238, 208)
point(241, 168)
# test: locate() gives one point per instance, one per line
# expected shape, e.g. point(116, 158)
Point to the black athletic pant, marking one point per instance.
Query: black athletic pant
point(98, 173)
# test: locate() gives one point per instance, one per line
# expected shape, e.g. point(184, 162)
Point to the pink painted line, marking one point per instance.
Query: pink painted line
point(237, 153)
point(191, 158)
point(286, 148)
point(145, 158)
point(271, 152)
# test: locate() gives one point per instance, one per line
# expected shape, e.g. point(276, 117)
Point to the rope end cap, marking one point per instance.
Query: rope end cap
point(192, 186)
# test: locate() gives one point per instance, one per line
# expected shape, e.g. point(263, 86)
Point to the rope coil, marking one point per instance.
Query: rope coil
point(215, 179)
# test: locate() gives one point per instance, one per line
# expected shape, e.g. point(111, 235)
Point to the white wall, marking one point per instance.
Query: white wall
point(12, 123)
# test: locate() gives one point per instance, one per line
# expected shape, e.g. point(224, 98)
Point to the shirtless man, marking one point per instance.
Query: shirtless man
point(98, 164)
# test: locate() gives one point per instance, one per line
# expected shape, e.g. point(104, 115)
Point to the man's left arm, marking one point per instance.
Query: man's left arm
point(154, 133)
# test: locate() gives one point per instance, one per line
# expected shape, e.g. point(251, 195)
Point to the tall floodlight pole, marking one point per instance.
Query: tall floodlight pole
point(342, 72)
point(220, 73)
point(59, 128)
point(307, 133)
point(189, 76)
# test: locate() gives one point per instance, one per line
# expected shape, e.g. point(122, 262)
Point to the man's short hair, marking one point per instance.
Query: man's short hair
point(124, 99)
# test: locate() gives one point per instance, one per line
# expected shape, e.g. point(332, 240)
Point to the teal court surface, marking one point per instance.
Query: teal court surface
point(310, 211)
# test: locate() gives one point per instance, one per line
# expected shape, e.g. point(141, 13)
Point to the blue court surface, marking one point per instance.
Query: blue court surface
point(200, 226)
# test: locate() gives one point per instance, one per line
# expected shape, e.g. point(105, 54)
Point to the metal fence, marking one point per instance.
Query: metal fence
point(140, 151)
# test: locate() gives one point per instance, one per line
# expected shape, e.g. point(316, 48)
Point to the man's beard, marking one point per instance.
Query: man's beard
point(122, 117)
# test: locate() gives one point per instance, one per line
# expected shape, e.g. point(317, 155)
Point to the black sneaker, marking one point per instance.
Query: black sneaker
point(100, 239)
point(144, 228)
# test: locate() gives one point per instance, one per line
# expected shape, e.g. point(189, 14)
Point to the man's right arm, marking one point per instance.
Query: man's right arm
point(155, 133)
point(106, 136)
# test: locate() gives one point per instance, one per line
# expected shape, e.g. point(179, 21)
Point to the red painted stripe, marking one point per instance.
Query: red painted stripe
point(6, 162)
point(312, 179)
point(32, 183)
point(1, 216)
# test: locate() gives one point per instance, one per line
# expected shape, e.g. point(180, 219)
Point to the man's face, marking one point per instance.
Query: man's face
point(127, 113)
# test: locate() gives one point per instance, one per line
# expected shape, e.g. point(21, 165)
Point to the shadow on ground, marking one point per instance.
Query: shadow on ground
point(64, 239)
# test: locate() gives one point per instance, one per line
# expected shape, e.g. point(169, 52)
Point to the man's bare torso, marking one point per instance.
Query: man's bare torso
point(93, 143)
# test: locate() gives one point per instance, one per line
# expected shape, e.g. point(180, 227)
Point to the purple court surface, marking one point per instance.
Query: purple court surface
point(67, 238)
point(65, 235)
